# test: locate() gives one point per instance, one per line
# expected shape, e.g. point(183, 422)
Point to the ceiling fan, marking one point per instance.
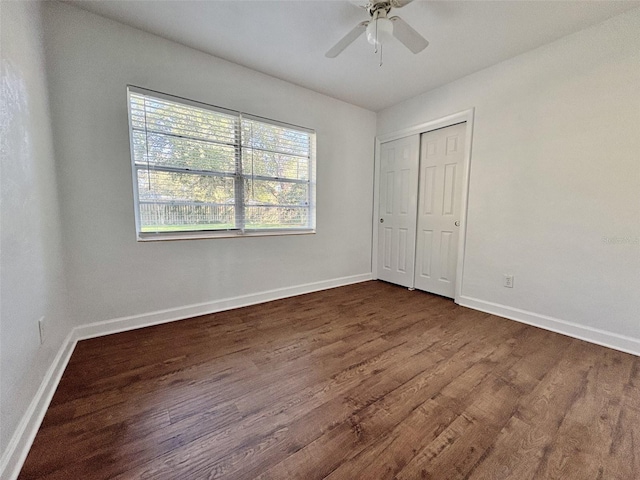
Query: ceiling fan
point(380, 28)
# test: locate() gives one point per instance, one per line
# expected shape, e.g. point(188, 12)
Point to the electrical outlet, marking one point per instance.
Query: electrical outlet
point(508, 281)
point(41, 328)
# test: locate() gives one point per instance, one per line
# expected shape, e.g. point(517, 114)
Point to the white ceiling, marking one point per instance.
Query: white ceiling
point(288, 39)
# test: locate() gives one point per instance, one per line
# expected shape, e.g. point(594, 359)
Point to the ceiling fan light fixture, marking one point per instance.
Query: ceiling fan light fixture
point(380, 28)
point(379, 31)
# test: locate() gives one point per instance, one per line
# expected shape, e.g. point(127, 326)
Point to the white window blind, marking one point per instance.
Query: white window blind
point(200, 169)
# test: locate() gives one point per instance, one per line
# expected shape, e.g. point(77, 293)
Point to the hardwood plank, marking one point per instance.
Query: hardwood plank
point(526, 439)
point(582, 445)
point(389, 454)
point(365, 381)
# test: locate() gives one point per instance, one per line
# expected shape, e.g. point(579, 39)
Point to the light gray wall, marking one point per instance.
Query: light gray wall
point(555, 171)
point(91, 60)
point(32, 282)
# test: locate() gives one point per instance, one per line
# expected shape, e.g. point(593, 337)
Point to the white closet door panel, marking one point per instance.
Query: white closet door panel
point(399, 165)
point(441, 161)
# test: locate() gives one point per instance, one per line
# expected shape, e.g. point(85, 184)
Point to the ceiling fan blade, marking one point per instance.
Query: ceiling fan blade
point(347, 40)
point(408, 36)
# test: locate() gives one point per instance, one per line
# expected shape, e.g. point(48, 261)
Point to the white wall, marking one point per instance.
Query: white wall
point(91, 60)
point(32, 282)
point(555, 169)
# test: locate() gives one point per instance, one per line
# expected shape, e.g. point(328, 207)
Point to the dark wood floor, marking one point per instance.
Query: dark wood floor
point(368, 381)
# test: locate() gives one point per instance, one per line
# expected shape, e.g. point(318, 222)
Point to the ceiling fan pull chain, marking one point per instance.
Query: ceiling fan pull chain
point(380, 55)
point(376, 42)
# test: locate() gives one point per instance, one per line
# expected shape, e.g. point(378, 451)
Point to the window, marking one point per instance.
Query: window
point(201, 171)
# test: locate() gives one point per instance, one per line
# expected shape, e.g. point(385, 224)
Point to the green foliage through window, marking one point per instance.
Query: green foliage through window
point(200, 168)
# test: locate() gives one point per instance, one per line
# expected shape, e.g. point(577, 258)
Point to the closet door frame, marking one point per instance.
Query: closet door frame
point(463, 116)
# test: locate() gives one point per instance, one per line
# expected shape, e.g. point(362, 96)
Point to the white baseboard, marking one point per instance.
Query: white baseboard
point(123, 324)
point(593, 335)
point(15, 454)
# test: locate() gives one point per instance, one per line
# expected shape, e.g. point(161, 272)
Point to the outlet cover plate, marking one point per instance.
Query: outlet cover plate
point(508, 281)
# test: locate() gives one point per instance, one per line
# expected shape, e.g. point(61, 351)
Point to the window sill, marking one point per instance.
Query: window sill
point(158, 237)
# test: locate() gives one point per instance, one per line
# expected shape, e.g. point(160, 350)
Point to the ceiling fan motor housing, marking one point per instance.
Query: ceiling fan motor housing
point(374, 8)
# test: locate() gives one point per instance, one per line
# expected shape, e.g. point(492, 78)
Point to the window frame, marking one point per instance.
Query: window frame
point(238, 175)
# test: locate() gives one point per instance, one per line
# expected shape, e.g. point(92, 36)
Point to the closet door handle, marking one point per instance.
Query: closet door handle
point(457, 224)
point(382, 220)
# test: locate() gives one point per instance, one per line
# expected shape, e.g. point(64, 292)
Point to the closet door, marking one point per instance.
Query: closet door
point(398, 196)
point(440, 198)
